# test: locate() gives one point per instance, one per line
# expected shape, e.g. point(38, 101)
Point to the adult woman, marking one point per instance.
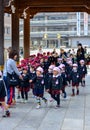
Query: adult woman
point(10, 68)
point(80, 53)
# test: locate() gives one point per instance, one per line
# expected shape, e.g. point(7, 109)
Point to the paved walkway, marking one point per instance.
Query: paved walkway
point(74, 114)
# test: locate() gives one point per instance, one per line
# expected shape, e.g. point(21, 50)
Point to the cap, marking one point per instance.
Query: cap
point(82, 61)
point(75, 65)
point(25, 68)
point(70, 62)
point(56, 69)
point(51, 67)
point(40, 69)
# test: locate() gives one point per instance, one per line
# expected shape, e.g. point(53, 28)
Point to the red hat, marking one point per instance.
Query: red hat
point(25, 68)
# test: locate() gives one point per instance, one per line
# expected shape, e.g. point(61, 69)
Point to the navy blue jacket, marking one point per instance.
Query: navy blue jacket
point(82, 70)
point(56, 83)
point(25, 81)
point(64, 77)
point(48, 78)
point(39, 82)
point(75, 77)
point(2, 89)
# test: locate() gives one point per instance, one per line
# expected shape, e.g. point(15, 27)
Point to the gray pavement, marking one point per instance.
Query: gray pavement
point(74, 113)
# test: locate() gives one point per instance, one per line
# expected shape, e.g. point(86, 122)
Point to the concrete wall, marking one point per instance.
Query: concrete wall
point(84, 40)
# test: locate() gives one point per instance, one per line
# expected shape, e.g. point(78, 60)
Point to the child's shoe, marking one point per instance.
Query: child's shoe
point(57, 106)
point(7, 114)
point(38, 106)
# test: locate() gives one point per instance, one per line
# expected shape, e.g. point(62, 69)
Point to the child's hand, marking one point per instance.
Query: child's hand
point(30, 81)
point(47, 90)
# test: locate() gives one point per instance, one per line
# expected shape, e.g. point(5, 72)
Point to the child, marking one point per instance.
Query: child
point(20, 70)
point(64, 77)
point(75, 78)
point(48, 78)
point(68, 72)
point(56, 86)
point(32, 74)
point(82, 71)
point(3, 105)
point(24, 85)
point(39, 83)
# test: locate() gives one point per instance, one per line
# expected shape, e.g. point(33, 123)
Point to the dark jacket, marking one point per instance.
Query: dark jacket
point(82, 70)
point(56, 83)
point(39, 82)
point(2, 89)
point(75, 77)
point(80, 54)
point(25, 81)
point(48, 78)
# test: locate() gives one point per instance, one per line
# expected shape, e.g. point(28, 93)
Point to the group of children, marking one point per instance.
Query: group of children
point(51, 74)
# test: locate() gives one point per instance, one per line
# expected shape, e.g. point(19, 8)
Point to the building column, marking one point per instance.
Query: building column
point(26, 37)
point(15, 31)
point(1, 34)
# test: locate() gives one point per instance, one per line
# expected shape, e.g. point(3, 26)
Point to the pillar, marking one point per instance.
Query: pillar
point(26, 37)
point(1, 34)
point(15, 31)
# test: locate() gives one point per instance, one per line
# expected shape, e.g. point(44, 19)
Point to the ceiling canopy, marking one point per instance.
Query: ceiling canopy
point(31, 7)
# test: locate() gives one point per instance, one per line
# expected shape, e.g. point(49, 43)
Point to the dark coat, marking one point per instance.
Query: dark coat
point(48, 78)
point(56, 83)
point(2, 89)
point(80, 55)
point(25, 81)
point(75, 77)
point(64, 77)
point(39, 82)
point(82, 70)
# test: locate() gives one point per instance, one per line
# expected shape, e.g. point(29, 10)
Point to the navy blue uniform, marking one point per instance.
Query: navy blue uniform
point(68, 72)
point(24, 86)
point(64, 83)
point(82, 71)
point(48, 78)
point(39, 85)
point(56, 86)
point(75, 77)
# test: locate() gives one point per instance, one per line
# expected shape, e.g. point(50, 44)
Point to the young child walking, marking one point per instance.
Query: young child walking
point(56, 86)
point(24, 85)
point(82, 69)
point(75, 78)
point(39, 83)
point(3, 104)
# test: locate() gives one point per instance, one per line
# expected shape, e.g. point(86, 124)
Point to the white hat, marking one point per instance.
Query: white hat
point(61, 66)
point(40, 69)
point(82, 61)
point(70, 62)
point(59, 59)
point(51, 67)
point(75, 65)
point(56, 69)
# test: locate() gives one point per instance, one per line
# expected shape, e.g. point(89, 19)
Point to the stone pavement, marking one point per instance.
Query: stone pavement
point(74, 114)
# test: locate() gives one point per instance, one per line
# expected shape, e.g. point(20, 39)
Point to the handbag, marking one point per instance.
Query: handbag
point(13, 79)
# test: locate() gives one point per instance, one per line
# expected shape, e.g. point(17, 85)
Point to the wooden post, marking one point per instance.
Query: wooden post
point(1, 34)
point(15, 32)
point(26, 37)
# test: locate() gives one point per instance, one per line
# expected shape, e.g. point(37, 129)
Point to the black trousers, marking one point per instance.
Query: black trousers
point(56, 97)
point(24, 95)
